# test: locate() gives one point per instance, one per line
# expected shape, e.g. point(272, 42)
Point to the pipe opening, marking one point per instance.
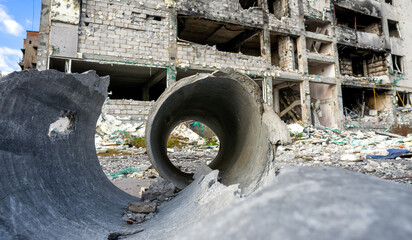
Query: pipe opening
point(192, 144)
point(224, 104)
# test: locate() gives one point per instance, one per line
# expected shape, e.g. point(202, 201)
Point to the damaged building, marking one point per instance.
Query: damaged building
point(29, 50)
point(327, 62)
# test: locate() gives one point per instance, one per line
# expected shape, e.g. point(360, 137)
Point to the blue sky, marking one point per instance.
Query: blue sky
point(16, 16)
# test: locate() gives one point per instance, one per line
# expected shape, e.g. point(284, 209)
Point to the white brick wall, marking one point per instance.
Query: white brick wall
point(137, 110)
point(123, 29)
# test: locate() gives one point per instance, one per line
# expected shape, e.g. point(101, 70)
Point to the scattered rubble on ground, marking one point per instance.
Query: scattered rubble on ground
point(348, 150)
point(310, 147)
point(158, 192)
point(119, 160)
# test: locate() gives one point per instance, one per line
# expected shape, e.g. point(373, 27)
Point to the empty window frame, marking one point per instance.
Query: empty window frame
point(225, 36)
point(317, 26)
point(319, 47)
point(397, 63)
point(403, 99)
point(389, 2)
point(393, 28)
point(279, 8)
point(321, 68)
point(284, 51)
point(246, 4)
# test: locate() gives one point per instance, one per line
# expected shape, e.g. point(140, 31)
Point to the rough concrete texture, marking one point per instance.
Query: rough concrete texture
point(231, 105)
point(204, 197)
point(300, 203)
point(54, 187)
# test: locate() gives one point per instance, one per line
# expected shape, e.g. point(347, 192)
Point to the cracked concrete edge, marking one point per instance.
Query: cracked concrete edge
point(313, 203)
point(42, 180)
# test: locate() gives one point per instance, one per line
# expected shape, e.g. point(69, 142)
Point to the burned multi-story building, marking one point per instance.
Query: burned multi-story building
point(326, 62)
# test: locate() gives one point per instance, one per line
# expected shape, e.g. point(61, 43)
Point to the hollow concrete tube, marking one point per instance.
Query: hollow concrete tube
point(229, 103)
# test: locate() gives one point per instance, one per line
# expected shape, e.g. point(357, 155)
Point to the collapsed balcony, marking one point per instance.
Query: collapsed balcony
point(225, 36)
point(366, 107)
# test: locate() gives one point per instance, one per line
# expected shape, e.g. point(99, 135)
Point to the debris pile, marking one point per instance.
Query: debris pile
point(114, 134)
point(121, 157)
point(134, 163)
point(111, 133)
point(375, 119)
point(158, 192)
point(365, 152)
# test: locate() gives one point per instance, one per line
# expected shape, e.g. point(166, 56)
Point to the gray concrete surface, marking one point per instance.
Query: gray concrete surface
point(299, 203)
point(52, 186)
point(229, 103)
point(314, 203)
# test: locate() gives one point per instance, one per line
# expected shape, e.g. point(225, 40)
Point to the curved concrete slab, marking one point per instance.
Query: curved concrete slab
point(306, 203)
point(52, 185)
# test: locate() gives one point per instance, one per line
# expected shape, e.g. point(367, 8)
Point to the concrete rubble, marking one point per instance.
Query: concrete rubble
point(141, 207)
point(348, 150)
point(112, 131)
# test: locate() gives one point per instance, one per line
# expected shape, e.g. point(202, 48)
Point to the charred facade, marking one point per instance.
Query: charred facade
point(305, 55)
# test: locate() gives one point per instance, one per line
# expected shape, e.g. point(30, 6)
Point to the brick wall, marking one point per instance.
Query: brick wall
point(345, 66)
point(377, 66)
point(124, 29)
point(206, 56)
point(373, 28)
point(286, 52)
point(136, 110)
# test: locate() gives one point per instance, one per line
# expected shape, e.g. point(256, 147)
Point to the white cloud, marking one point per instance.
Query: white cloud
point(8, 24)
point(9, 59)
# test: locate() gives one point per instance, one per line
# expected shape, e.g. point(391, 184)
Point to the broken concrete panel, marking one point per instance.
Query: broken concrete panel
point(368, 7)
point(312, 203)
point(141, 207)
point(64, 40)
point(204, 197)
point(227, 11)
point(54, 188)
point(346, 36)
point(370, 41)
point(66, 11)
point(231, 105)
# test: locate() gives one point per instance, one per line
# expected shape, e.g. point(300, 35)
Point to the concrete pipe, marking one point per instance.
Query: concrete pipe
point(51, 182)
point(231, 105)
